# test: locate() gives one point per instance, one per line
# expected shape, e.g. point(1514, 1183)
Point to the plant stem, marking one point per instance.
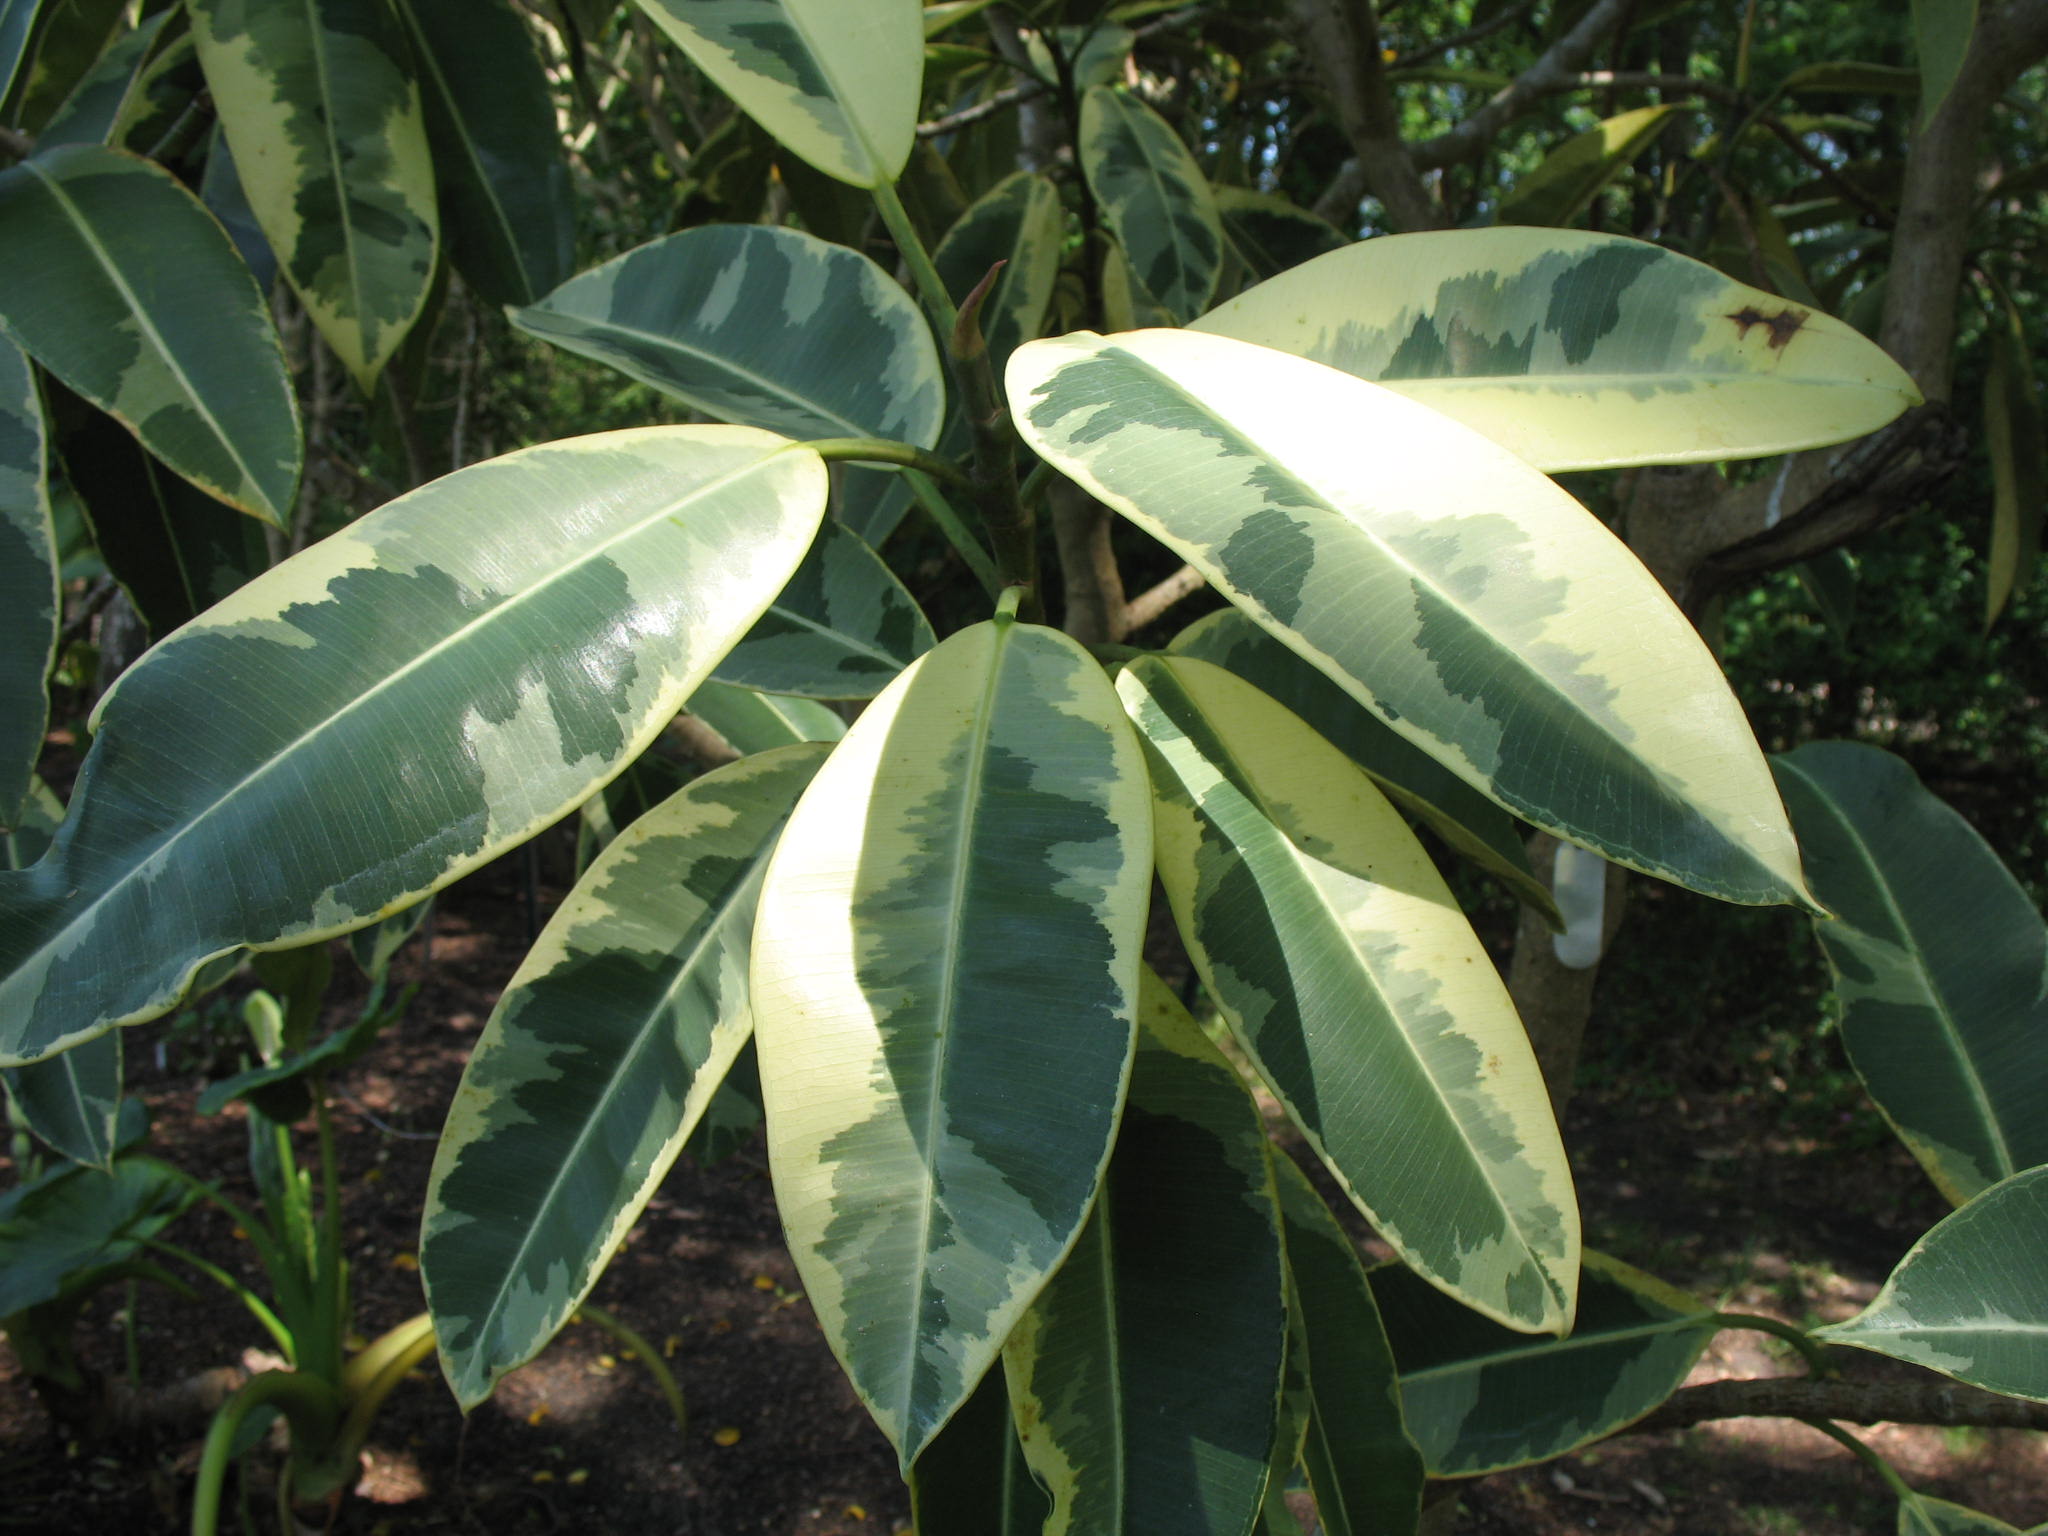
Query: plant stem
point(255, 1304)
point(657, 1367)
point(1883, 1468)
point(1814, 1354)
point(308, 1403)
point(957, 533)
point(923, 275)
point(883, 450)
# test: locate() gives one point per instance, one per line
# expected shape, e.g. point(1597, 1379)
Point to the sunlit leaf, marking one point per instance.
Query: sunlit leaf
point(1439, 580)
point(940, 1096)
point(443, 678)
point(1571, 176)
point(596, 1065)
point(1575, 350)
point(1153, 198)
point(754, 722)
point(1358, 990)
point(120, 285)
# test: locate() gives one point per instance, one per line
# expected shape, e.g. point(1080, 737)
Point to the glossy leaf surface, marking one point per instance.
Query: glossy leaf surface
point(755, 722)
point(1358, 990)
point(1411, 778)
point(1363, 1469)
point(1438, 579)
point(1574, 350)
point(768, 327)
point(596, 1065)
point(1154, 199)
point(30, 610)
point(940, 1097)
point(1148, 1370)
point(503, 183)
point(443, 678)
point(971, 1480)
point(120, 285)
point(320, 105)
point(841, 629)
point(1940, 963)
point(1479, 1399)
point(836, 81)
point(1970, 1299)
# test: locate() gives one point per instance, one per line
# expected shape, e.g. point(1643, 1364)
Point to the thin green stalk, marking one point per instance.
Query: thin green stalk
point(248, 1298)
point(330, 1285)
point(956, 531)
point(1883, 1468)
point(1814, 1354)
point(308, 1403)
point(924, 276)
point(664, 1378)
point(884, 450)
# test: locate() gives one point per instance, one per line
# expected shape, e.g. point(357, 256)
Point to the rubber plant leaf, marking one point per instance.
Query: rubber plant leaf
point(122, 286)
point(596, 1065)
point(835, 81)
point(1154, 199)
point(1571, 176)
point(393, 707)
point(30, 602)
point(1576, 350)
point(1358, 990)
point(1184, 1244)
point(772, 328)
point(940, 1099)
point(1436, 578)
point(322, 110)
point(1940, 963)
point(1970, 1299)
point(972, 1480)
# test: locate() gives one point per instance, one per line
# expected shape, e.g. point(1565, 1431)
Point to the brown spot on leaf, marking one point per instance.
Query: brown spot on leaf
point(1783, 326)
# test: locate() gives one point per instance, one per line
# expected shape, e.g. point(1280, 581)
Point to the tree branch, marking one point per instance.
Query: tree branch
point(1155, 600)
point(1342, 38)
point(1553, 72)
point(1856, 1402)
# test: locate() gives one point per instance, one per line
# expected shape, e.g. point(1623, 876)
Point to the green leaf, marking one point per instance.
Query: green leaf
point(1571, 175)
point(491, 122)
point(1939, 961)
point(1480, 1399)
point(17, 21)
point(1154, 199)
point(841, 629)
point(319, 104)
point(122, 286)
point(836, 81)
point(1358, 990)
point(769, 327)
point(2017, 445)
point(755, 722)
point(1971, 1297)
point(81, 1220)
point(1439, 580)
point(103, 97)
point(1020, 223)
point(940, 1096)
point(1365, 1472)
point(595, 1067)
point(1848, 77)
point(72, 1102)
point(403, 701)
point(971, 1480)
point(1148, 1371)
point(1412, 779)
point(1094, 53)
point(1941, 39)
point(66, 38)
point(1575, 350)
point(1268, 234)
point(1923, 1516)
point(30, 604)
point(175, 550)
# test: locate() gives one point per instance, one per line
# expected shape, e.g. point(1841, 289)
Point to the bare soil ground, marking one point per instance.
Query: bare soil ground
point(1708, 1170)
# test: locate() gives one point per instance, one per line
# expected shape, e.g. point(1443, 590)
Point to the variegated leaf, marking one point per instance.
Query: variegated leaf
point(1147, 1373)
point(1971, 1297)
point(393, 707)
point(65, 39)
point(769, 327)
point(972, 1480)
point(1438, 579)
point(1019, 222)
point(1577, 351)
point(1154, 199)
point(836, 81)
point(1572, 174)
point(841, 629)
point(1365, 1472)
point(319, 104)
point(17, 22)
point(1477, 1398)
point(504, 184)
point(1358, 990)
point(1412, 779)
point(754, 722)
point(120, 285)
point(29, 601)
point(103, 98)
point(1268, 234)
point(1940, 964)
point(595, 1067)
point(945, 980)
